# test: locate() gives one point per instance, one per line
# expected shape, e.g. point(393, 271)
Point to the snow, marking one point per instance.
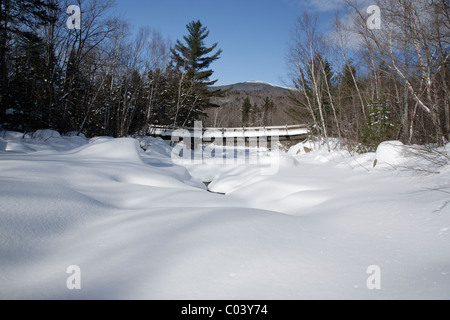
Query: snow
point(141, 224)
point(11, 135)
point(270, 84)
point(303, 148)
point(46, 134)
point(10, 111)
point(390, 153)
point(74, 134)
point(208, 133)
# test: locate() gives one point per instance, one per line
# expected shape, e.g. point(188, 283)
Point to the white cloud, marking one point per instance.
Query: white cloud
point(332, 5)
point(325, 5)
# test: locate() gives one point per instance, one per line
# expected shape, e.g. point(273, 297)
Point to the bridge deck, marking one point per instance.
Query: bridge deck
point(281, 132)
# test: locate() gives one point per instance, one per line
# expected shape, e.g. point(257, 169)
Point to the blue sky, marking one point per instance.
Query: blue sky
point(254, 35)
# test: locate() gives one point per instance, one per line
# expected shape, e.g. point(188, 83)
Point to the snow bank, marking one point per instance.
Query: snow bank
point(390, 154)
point(11, 135)
point(303, 148)
point(157, 147)
point(46, 134)
point(74, 134)
point(3, 145)
point(310, 146)
point(41, 140)
point(141, 227)
point(119, 150)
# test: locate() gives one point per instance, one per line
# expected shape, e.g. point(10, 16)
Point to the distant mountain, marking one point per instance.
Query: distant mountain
point(254, 86)
point(229, 112)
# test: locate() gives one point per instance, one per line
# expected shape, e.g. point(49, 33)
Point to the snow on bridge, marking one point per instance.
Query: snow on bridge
point(222, 135)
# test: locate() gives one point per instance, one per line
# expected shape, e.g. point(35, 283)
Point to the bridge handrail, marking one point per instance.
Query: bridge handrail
point(287, 131)
point(153, 128)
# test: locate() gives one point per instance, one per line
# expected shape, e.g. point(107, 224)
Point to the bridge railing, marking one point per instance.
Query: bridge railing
point(246, 132)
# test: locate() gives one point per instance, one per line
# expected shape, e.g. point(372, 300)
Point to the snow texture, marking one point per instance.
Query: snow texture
point(141, 226)
point(46, 134)
point(391, 153)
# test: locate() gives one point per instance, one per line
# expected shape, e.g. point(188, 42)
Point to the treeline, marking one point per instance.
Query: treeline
point(255, 115)
point(379, 76)
point(360, 83)
point(99, 79)
point(230, 112)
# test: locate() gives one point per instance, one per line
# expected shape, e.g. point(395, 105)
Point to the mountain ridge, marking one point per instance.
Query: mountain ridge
point(253, 86)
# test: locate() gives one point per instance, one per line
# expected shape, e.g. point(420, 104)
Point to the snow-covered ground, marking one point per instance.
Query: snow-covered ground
point(141, 225)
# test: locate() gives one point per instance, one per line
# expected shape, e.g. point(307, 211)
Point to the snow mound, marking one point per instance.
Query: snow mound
point(308, 146)
point(11, 135)
point(17, 147)
point(390, 154)
point(303, 148)
point(3, 145)
point(46, 134)
point(140, 227)
point(74, 134)
point(156, 146)
point(117, 150)
point(279, 159)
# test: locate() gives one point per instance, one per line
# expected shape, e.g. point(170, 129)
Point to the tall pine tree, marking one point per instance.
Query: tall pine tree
point(192, 60)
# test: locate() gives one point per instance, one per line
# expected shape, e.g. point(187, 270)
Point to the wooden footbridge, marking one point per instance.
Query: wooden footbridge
point(250, 136)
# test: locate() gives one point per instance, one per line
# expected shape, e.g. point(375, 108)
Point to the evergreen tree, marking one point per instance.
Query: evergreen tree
point(192, 56)
point(268, 108)
point(192, 62)
point(76, 85)
point(380, 126)
point(19, 20)
point(27, 86)
point(165, 101)
point(246, 111)
point(255, 115)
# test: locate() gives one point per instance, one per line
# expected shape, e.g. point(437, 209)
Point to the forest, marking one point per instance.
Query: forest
point(99, 78)
point(381, 73)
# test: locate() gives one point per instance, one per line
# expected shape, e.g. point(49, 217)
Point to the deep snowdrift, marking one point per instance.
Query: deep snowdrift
point(143, 227)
